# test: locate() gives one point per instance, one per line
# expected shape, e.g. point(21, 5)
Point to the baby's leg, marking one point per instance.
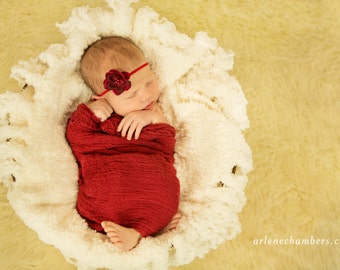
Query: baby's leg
point(123, 238)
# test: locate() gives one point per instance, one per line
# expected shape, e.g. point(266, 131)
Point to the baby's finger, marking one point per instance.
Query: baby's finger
point(138, 131)
point(132, 129)
point(123, 126)
point(120, 126)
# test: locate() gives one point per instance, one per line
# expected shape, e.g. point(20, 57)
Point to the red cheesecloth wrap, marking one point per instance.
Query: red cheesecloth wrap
point(132, 183)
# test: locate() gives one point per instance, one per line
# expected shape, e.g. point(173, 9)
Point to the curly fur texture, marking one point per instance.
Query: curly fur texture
point(287, 61)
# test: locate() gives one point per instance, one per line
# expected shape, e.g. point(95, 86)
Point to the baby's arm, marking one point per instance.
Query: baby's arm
point(134, 122)
point(83, 129)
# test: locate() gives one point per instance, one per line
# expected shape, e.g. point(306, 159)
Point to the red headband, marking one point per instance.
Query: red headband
point(118, 81)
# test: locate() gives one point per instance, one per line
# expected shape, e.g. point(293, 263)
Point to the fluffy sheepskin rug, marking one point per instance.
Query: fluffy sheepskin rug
point(287, 60)
point(199, 98)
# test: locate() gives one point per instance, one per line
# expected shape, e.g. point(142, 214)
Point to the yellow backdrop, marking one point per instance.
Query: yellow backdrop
point(288, 63)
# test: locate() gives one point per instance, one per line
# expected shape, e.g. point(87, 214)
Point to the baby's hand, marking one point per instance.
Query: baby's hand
point(101, 108)
point(134, 122)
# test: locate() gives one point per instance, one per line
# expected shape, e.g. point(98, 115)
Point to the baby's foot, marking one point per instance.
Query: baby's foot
point(123, 238)
point(172, 225)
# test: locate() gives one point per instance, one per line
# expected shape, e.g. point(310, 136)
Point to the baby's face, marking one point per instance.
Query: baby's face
point(142, 95)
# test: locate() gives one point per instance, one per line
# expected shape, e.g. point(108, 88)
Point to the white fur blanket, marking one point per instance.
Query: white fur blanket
point(199, 98)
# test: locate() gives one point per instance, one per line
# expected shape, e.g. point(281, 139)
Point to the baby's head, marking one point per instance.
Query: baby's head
point(122, 56)
point(105, 54)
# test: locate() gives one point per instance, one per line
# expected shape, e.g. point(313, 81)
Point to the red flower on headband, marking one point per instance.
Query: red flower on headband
point(117, 81)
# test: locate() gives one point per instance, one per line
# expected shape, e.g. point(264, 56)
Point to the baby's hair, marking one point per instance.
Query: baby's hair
point(106, 54)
